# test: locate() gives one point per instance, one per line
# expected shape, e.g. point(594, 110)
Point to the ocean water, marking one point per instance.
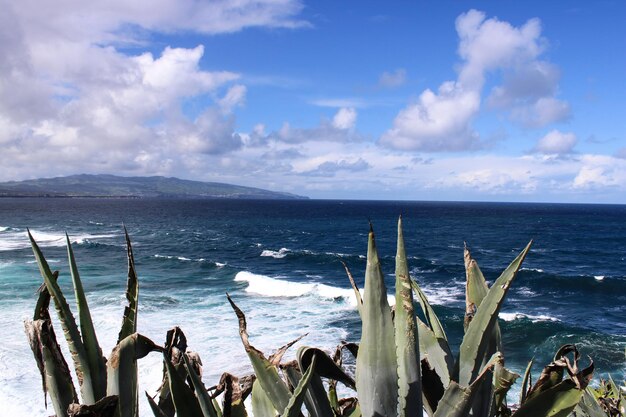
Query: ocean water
point(280, 261)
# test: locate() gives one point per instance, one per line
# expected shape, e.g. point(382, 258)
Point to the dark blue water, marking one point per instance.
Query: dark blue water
point(281, 262)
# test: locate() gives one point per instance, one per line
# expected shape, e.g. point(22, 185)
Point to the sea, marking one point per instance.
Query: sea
point(281, 261)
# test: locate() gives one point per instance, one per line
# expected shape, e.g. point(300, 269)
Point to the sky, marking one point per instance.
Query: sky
point(402, 100)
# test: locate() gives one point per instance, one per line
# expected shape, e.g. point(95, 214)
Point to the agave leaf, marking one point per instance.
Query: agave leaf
point(55, 374)
point(406, 337)
point(294, 406)
point(503, 379)
point(97, 362)
point(154, 407)
point(175, 346)
point(588, 406)
point(326, 367)
point(557, 400)
point(357, 293)
point(129, 321)
point(70, 329)
point(105, 407)
point(376, 365)
point(204, 399)
point(475, 291)
point(526, 382)
point(553, 373)
point(480, 330)
point(266, 373)
point(217, 408)
point(316, 399)
point(185, 401)
point(434, 351)
point(261, 404)
point(432, 321)
point(277, 356)
point(122, 371)
point(475, 286)
point(457, 400)
point(233, 405)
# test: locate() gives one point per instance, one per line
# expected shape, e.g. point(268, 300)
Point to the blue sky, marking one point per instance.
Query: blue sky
point(449, 100)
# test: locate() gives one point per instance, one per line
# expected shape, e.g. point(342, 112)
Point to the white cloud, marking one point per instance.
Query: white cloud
point(235, 97)
point(442, 121)
point(437, 121)
point(543, 111)
point(345, 118)
point(556, 142)
point(392, 79)
point(491, 44)
point(600, 172)
point(68, 93)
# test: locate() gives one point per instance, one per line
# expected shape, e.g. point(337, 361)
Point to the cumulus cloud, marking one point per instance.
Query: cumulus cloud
point(330, 168)
point(437, 121)
point(600, 172)
point(234, 97)
point(442, 121)
point(556, 142)
point(345, 118)
point(69, 93)
point(392, 79)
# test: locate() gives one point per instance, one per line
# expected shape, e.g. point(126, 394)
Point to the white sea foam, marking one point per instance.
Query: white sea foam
point(276, 254)
point(274, 287)
point(518, 316)
point(599, 277)
point(444, 295)
point(532, 269)
point(18, 239)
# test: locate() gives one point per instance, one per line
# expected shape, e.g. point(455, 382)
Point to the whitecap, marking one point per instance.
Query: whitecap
point(273, 287)
point(518, 316)
point(276, 254)
point(599, 277)
point(532, 269)
point(18, 239)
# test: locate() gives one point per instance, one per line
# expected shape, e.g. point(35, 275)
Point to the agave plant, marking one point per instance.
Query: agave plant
point(107, 388)
point(404, 364)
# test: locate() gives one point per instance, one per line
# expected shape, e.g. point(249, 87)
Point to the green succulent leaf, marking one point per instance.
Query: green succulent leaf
point(122, 372)
point(204, 399)
point(154, 407)
point(376, 364)
point(294, 406)
point(267, 374)
point(558, 401)
point(97, 362)
point(185, 402)
point(457, 400)
point(432, 321)
point(261, 404)
point(526, 381)
point(406, 338)
point(316, 399)
point(129, 321)
point(55, 374)
point(476, 341)
point(326, 367)
point(70, 329)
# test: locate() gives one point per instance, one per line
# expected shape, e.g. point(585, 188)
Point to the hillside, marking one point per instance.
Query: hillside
point(112, 186)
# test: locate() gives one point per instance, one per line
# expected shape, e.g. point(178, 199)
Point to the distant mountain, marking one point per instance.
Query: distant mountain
point(112, 186)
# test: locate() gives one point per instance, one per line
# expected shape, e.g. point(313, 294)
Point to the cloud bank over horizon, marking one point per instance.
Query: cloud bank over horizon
point(130, 89)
